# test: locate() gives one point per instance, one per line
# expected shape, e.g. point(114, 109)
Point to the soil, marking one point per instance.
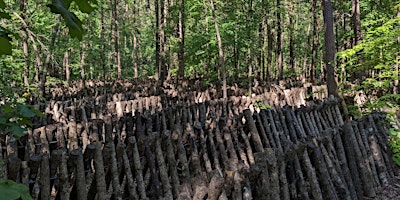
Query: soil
point(392, 191)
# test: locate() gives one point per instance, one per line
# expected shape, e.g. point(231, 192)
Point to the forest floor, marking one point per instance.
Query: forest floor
point(392, 191)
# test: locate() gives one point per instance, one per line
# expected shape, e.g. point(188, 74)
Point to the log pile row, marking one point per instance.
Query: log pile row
point(191, 91)
point(204, 150)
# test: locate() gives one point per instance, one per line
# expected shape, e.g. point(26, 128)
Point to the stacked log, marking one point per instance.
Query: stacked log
point(136, 149)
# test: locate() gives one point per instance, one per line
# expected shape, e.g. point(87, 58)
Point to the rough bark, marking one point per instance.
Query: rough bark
point(329, 38)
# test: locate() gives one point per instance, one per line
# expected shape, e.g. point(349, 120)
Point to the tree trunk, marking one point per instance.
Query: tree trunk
point(356, 21)
point(315, 43)
point(116, 39)
point(329, 48)
point(396, 81)
point(263, 36)
point(291, 35)
point(279, 40)
point(221, 52)
point(66, 67)
point(269, 51)
point(359, 74)
point(157, 39)
point(163, 46)
point(103, 45)
point(249, 55)
point(24, 34)
point(181, 53)
point(82, 63)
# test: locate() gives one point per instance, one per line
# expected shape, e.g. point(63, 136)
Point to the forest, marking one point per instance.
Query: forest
point(199, 99)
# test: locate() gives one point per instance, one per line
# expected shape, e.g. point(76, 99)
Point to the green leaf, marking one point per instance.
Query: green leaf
point(5, 46)
point(2, 4)
point(84, 6)
point(72, 21)
point(26, 111)
point(4, 15)
point(17, 131)
point(12, 190)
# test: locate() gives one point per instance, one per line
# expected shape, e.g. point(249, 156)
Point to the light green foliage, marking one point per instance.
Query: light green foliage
point(394, 141)
point(15, 118)
point(378, 51)
point(261, 105)
point(4, 33)
point(9, 190)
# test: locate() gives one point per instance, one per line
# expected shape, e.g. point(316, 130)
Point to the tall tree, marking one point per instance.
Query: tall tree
point(397, 67)
point(181, 52)
point(163, 45)
point(24, 35)
point(279, 39)
point(315, 43)
point(220, 53)
point(329, 38)
point(116, 37)
point(157, 38)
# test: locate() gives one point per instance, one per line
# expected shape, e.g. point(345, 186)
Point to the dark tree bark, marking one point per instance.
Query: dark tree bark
point(24, 35)
point(329, 48)
point(315, 43)
point(163, 46)
point(279, 40)
point(103, 45)
point(181, 53)
point(396, 82)
point(116, 38)
point(157, 38)
point(359, 74)
point(221, 52)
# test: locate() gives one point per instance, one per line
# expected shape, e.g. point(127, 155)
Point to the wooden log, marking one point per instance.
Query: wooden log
point(64, 192)
point(367, 152)
point(88, 156)
point(351, 145)
point(25, 171)
point(311, 125)
point(261, 182)
point(55, 160)
point(183, 166)
point(131, 184)
point(322, 170)
point(239, 148)
point(293, 121)
point(13, 168)
point(221, 148)
point(114, 172)
point(380, 164)
point(138, 168)
point(341, 158)
point(247, 145)
point(282, 119)
point(273, 170)
point(283, 182)
point(213, 150)
point(155, 182)
point(215, 186)
point(72, 136)
point(267, 129)
point(258, 147)
point(382, 138)
point(302, 191)
point(45, 177)
point(163, 169)
point(274, 129)
point(338, 182)
point(80, 180)
point(263, 134)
